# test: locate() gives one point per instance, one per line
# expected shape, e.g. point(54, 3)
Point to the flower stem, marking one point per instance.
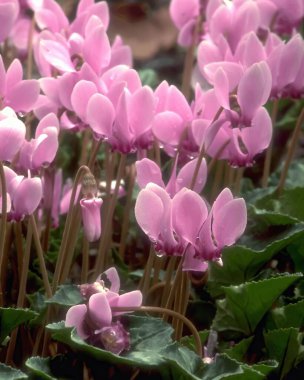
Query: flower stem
point(290, 152)
point(39, 250)
point(85, 260)
point(267, 162)
point(66, 233)
point(169, 313)
point(3, 223)
point(127, 209)
point(102, 249)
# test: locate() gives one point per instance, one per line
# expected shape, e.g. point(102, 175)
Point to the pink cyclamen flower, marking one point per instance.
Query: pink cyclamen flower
point(13, 88)
point(12, 134)
point(226, 222)
point(91, 218)
point(95, 321)
point(148, 171)
point(24, 194)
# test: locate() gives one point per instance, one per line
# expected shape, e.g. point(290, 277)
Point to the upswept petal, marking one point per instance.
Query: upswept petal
point(81, 94)
point(49, 120)
point(97, 49)
point(100, 115)
point(257, 137)
point(14, 74)
point(12, 135)
point(141, 110)
point(148, 171)
point(15, 96)
point(230, 222)
point(111, 276)
point(130, 299)
point(254, 88)
point(189, 212)
point(149, 211)
point(46, 148)
point(57, 55)
point(168, 127)
point(27, 196)
point(185, 175)
point(99, 310)
point(221, 87)
point(75, 318)
point(181, 11)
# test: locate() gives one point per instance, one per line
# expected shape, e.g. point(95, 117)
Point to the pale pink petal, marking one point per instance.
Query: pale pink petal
point(75, 317)
point(234, 72)
point(27, 196)
point(100, 115)
point(112, 276)
point(221, 88)
point(257, 137)
point(168, 127)
point(189, 212)
point(149, 210)
point(183, 10)
point(14, 74)
point(81, 94)
point(15, 96)
point(141, 110)
point(46, 148)
point(49, 120)
point(130, 299)
point(192, 263)
point(254, 88)
point(57, 55)
point(12, 135)
point(99, 310)
point(8, 15)
point(230, 222)
point(185, 175)
point(148, 171)
point(97, 49)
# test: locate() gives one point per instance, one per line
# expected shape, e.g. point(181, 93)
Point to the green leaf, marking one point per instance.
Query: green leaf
point(295, 175)
point(246, 304)
point(241, 263)
point(290, 202)
point(40, 367)
point(66, 295)
point(11, 318)
point(9, 373)
point(189, 341)
point(291, 315)
point(266, 367)
point(148, 77)
point(239, 350)
point(284, 346)
point(151, 347)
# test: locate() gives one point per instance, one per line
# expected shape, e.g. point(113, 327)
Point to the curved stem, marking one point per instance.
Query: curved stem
point(169, 313)
point(291, 151)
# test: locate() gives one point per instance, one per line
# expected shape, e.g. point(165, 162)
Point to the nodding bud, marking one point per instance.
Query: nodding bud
point(89, 185)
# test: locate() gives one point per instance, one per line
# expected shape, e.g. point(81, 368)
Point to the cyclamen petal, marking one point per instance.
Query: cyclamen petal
point(99, 310)
point(81, 94)
point(189, 212)
point(182, 11)
point(168, 127)
point(112, 276)
point(75, 318)
point(254, 89)
point(57, 55)
point(100, 115)
point(130, 299)
point(27, 196)
point(91, 218)
point(185, 175)
point(150, 222)
point(148, 171)
point(229, 222)
point(12, 136)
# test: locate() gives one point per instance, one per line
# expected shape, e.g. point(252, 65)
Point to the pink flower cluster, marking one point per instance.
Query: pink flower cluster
point(95, 321)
